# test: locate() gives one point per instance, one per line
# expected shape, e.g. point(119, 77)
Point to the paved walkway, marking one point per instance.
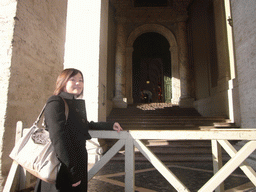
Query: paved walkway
point(148, 179)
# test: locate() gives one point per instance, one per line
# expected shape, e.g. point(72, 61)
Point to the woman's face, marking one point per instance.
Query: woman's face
point(75, 85)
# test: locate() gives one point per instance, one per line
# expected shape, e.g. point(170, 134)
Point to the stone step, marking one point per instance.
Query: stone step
point(165, 118)
point(175, 153)
point(168, 118)
point(180, 150)
point(176, 111)
point(174, 158)
point(147, 115)
point(164, 127)
point(173, 122)
point(164, 113)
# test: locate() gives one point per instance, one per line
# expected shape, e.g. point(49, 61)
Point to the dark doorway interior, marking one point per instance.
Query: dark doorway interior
point(151, 63)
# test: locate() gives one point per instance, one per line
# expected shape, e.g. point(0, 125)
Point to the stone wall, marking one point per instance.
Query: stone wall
point(7, 14)
point(244, 22)
point(103, 54)
point(37, 52)
point(211, 77)
point(111, 58)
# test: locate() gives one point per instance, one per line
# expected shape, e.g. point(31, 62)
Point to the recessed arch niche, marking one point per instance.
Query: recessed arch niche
point(147, 28)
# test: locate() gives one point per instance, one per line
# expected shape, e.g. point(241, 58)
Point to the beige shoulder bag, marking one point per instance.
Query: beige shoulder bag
point(35, 152)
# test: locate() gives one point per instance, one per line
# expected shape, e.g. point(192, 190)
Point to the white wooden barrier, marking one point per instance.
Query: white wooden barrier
point(132, 139)
point(218, 137)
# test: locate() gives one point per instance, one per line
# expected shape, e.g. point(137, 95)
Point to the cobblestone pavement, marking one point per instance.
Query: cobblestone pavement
point(148, 179)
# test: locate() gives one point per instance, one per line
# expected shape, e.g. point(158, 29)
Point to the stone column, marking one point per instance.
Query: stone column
point(185, 100)
point(128, 74)
point(91, 60)
point(86, 58)
point(175, 75)
point(119, 100)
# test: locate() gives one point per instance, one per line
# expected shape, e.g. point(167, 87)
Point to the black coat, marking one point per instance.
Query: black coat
point(68, 138)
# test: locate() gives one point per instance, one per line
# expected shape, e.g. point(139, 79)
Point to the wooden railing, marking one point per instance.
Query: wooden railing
point(219, 138)
point(131, 139)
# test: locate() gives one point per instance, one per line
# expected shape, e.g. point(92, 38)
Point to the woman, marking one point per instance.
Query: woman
point(68, 133)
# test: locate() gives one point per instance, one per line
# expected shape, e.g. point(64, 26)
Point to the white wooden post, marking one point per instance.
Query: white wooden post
point(129, 165)
point(217, 161)
point(22, 181)
point(11, 176)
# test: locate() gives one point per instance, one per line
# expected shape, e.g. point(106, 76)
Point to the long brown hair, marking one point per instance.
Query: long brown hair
point(63, 79)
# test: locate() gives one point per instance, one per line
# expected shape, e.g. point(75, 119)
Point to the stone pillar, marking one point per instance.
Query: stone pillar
point(175, 75)
point(83, 50)
point(86, 50)
point(119, 100)
point(222, 44)
point(185, 100)
point(128, 74)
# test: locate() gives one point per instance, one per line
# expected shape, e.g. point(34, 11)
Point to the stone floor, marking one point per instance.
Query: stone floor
point(148, 179)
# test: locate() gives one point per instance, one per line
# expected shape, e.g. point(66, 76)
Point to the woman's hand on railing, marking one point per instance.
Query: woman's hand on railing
point(117, 127)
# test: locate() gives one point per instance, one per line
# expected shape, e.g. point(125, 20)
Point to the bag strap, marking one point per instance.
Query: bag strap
point(42, 111)
point(40, 115)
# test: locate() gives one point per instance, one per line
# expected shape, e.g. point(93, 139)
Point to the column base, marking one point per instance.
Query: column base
point(175, 101)
point(119, 102)
point(129, 100)
point(186, 102)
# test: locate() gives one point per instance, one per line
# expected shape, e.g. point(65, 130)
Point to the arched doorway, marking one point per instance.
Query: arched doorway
point(175, 76)
point(151, 66)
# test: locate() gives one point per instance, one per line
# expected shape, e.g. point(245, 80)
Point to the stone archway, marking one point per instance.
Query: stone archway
point(174, 58)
